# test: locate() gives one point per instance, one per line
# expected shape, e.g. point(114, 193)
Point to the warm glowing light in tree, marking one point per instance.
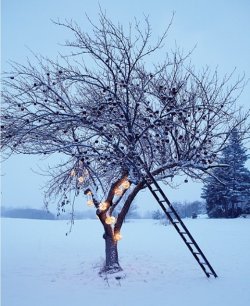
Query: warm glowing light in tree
point(73, 173)
point(125, 184)
point(103, 205)
point(89, 193)
point(81, 179)
point(110, 220)
point(118, 191)
point(90, 203)
point(117, 236)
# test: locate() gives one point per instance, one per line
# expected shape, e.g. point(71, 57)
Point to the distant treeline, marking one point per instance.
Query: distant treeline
point(184, 209)
point(32, 213)
point(42, 214)
point(26, 213)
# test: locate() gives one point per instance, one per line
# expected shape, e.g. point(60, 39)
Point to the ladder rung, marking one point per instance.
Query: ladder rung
point(203, 263)
point(190, 243)
point(184, 233)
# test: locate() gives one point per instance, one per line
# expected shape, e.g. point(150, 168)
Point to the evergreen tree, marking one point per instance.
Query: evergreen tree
point(227, 190)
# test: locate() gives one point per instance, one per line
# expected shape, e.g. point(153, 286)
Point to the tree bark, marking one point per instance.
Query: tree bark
point(111, 252)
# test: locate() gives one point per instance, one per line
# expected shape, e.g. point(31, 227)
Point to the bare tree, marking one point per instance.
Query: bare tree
point(111, 114)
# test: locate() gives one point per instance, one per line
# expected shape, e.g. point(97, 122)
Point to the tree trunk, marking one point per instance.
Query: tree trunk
point(110, 232)
point(112, 261)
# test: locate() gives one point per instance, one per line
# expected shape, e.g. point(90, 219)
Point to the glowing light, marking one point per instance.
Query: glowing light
point(117, 236)
point(103, 205)
point(89, 193)
point(90, 203)
point(118, 191)
point(73, 173)
point(81, 179)
point(125, 184)
point(110, 220)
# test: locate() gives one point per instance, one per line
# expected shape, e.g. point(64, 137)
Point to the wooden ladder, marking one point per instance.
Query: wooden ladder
point(178, 224)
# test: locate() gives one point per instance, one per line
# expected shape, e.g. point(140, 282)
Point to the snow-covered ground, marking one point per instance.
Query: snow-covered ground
point(41, 266)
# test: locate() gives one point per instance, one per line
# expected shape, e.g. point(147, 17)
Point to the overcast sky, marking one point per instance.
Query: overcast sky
point(218, 28)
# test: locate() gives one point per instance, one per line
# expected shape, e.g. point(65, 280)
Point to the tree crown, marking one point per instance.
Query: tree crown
point(104, 109)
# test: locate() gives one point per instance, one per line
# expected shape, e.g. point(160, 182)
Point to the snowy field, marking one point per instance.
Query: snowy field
point(43, 267)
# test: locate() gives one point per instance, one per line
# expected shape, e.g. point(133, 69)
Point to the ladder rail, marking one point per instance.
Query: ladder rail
point(180, 222)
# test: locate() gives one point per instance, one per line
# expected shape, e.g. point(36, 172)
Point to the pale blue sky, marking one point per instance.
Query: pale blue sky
point(219, 28)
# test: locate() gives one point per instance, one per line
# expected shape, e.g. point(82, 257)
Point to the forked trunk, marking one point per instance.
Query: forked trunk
point(112, 233)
